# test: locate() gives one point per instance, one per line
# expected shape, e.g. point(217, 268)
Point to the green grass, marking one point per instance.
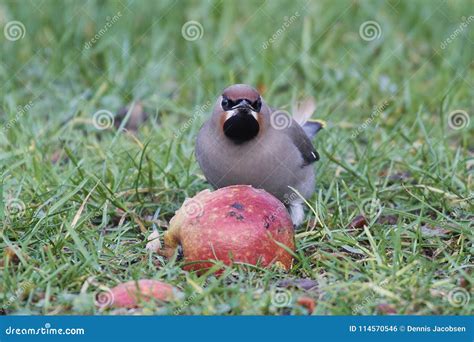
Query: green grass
point(57, 254)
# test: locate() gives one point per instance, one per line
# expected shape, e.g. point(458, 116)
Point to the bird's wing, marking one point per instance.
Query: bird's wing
point(303, 143)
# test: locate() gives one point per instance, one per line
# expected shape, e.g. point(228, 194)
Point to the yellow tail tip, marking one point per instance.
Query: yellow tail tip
point(321, 122)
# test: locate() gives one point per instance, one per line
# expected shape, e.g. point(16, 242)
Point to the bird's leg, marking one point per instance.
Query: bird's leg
point(296, 212)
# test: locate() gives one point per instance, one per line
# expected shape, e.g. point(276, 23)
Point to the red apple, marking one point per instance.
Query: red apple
point(233, 224)
point(131, 293)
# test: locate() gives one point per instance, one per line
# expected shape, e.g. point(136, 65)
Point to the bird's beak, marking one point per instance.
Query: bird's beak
point(242, 106)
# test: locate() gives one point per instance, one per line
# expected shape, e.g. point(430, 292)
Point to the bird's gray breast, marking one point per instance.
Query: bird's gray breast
point(270, 161)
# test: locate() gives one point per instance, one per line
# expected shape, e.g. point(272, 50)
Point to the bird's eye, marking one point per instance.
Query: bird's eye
point(257, 105)
point(225, 104)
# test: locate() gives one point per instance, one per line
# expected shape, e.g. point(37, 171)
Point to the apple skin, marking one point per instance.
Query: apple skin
point(131, 293)
point(233, 224)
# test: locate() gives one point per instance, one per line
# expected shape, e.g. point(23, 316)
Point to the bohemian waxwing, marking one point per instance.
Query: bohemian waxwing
point(245, 142)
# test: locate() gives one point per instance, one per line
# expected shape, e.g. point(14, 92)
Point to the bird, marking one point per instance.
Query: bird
point(245, 142)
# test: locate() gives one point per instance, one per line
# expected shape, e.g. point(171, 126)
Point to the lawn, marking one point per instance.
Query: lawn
point(82, 189)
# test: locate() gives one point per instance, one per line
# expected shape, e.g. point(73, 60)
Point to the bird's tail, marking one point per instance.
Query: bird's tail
point(313, 126)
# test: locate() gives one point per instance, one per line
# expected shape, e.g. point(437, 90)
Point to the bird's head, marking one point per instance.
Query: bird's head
point(240, 109)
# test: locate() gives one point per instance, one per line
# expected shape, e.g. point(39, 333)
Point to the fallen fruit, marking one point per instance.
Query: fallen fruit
point(387, 309)
point(307, 302)
point(232, 224)
point(131, 293)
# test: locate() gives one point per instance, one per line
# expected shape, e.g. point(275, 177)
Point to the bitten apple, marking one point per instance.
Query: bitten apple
point(233, 224)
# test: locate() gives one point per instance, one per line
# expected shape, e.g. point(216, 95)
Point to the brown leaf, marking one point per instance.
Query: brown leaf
point(137, 117)
point(463, 282)
point(387, 220)
point(358, 222)
point(11, 255)
point(58, 156)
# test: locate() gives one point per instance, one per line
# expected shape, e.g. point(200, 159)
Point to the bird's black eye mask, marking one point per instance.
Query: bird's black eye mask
point(228, 104)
